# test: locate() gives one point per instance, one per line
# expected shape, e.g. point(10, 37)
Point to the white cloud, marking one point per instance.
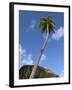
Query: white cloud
point(58, 34)
point(31, 26)
point(43, 57)
point(62, 73)
point(25, 58)
point(21, 50)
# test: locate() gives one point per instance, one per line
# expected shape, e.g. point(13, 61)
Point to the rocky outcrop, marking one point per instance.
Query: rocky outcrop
point(41, 72)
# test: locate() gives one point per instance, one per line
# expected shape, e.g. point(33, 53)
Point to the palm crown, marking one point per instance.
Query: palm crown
point(46, 22)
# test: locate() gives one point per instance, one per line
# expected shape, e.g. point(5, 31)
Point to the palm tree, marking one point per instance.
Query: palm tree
point(47, 26)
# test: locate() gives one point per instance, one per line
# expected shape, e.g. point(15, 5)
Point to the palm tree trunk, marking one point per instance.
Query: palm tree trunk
point(39, 56)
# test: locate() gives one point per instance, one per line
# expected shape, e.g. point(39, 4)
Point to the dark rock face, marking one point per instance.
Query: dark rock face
point(41, 72)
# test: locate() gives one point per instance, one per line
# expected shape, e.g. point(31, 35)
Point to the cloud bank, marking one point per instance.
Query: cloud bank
point(25, 58)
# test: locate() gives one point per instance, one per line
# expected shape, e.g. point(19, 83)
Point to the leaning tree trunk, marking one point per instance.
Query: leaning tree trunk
point(39, 56)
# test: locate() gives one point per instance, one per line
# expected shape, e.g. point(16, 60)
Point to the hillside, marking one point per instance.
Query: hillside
point(41, 72)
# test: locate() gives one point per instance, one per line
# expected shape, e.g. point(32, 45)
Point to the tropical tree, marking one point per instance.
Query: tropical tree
point(47, 27)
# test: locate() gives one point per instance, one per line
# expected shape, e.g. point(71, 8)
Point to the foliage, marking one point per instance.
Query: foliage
point(44, 21)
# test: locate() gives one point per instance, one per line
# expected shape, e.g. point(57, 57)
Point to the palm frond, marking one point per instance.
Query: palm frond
point(44, 21)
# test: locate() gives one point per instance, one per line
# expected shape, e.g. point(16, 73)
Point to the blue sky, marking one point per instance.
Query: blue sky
point(31, 41)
